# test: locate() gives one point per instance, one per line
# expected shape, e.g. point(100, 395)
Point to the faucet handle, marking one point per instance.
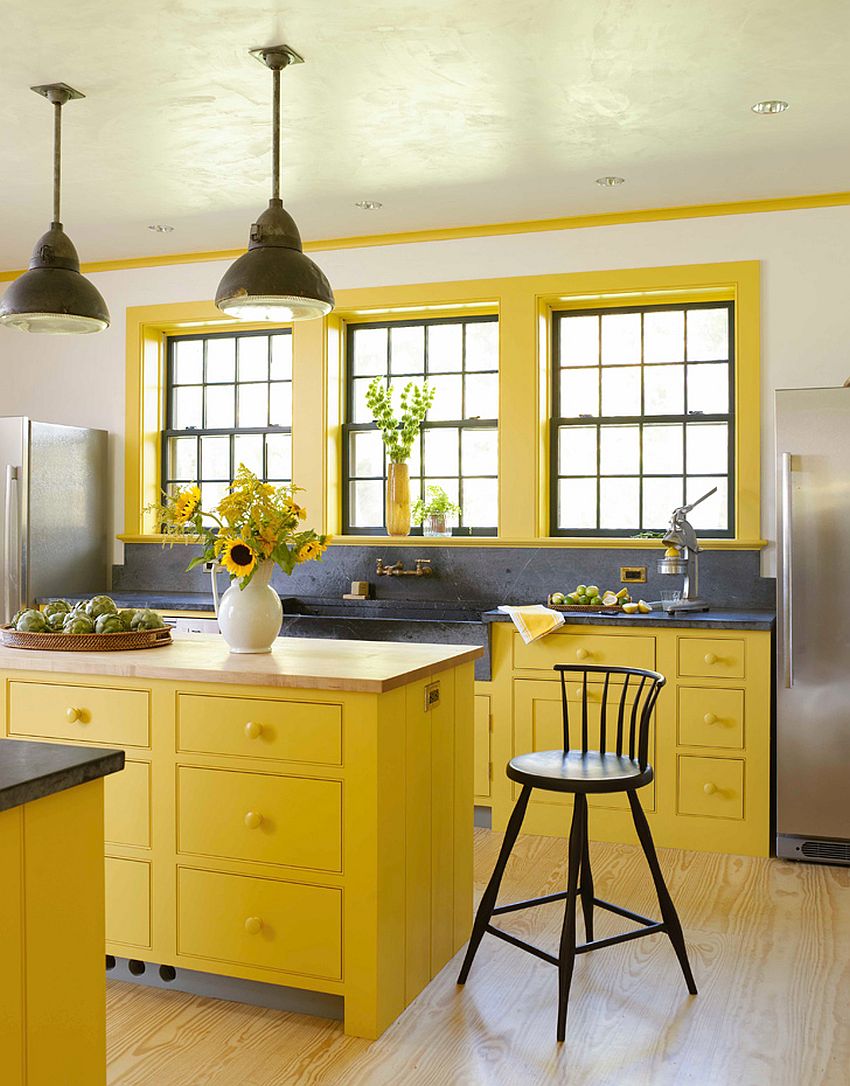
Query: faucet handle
point(423, 565)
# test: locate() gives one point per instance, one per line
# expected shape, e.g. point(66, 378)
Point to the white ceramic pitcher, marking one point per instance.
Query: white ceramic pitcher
point(249, 618)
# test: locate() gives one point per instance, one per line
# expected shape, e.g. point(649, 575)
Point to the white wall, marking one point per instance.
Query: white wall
point(805, 259)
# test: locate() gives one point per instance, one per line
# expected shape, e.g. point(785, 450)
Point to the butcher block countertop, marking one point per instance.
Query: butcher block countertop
point(370, 667)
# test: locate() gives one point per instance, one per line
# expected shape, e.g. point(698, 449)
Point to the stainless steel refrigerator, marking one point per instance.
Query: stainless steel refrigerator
point(53, 513)
point(813, 578)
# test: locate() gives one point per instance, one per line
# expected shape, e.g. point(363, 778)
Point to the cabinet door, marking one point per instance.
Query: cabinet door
point(483, 754)
point(11, 958)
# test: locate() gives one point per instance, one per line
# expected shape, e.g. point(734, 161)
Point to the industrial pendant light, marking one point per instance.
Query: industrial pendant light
point(52, 297)
point(274, 280)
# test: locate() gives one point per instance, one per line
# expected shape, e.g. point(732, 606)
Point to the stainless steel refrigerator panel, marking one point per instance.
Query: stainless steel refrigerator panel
point(12, 477)
point(67, 510)
point(813, 681)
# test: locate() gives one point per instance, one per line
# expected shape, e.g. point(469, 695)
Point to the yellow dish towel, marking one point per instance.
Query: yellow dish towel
point(534, 621)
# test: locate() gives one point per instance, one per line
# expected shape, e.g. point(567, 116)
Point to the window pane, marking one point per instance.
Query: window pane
point(370, 351)
point(187, 409)
point(712, 514)
point(482, 345)
point(482, 396)
point(445, 348)
point(441, 449)
point(707, 445)
point(248, 450)
point(664, 336)
point(577, 503)
point(366, 454)
point(621, 339)
point(577, 453)
point(253, 404)
point(281, 367)
point(220, 407)
point(479, 450)
point(215, 458)
point(447, 402)
point(579, 393)
point(211, 495)
point(664, 390)
point(579, 341)
point(663, 449)
point(221, 359)
point(280, 403)
point(619, 450)
point(479, 503)
point(367, 504)
point(621, 391)
point(660, 498)
point(188, 362)
point(183, 458)
point(359, 411)
point(708, 334)
point(407, 350)
point(708, 388)
point(619, 504)
point(279, 456)
point(253, 358)
point(451, 486)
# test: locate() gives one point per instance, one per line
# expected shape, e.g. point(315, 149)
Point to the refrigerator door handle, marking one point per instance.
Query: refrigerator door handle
point(787, 584)
point(9, 557)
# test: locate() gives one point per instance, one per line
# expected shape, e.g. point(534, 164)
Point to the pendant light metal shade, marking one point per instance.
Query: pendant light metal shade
point(274, 280)
point(52, 297)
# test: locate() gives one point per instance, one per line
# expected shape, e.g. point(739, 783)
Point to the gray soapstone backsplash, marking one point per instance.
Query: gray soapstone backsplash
point(464, 576)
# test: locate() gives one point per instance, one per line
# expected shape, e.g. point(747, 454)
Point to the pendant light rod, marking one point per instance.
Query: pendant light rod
point(57, 94)
point(276, 58)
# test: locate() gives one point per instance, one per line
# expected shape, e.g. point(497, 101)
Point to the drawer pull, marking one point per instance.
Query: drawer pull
point(72, 715)
point(582, 654)
point(710, 718)
point(253, 820)
point(253, 730)
point(710, 658)
point(253, 925)
point(709, 788)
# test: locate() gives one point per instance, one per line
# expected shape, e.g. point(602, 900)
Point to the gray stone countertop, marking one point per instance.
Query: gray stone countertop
point(30, 771)
point(716, 619)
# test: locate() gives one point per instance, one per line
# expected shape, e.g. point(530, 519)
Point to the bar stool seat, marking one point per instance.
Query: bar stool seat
point(578, 771)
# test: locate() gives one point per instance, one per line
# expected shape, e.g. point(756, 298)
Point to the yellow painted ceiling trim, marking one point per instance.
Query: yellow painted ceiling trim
point(530, 226)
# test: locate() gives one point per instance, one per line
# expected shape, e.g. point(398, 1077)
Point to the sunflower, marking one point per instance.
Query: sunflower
point(186, 504)
point(313, 548)
point(237, 557)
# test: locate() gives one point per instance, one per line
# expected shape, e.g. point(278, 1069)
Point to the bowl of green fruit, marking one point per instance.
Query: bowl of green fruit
point(591, 599)
point(95, 625)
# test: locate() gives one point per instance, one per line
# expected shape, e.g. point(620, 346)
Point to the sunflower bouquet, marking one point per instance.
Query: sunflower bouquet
point(254, 522)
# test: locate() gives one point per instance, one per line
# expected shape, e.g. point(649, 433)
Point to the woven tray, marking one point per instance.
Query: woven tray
point(583, 608)
point(109, 642)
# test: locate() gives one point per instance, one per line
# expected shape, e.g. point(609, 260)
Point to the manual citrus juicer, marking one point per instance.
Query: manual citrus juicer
point(680, 536)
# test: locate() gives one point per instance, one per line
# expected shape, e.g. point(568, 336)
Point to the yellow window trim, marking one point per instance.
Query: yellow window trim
point(524, 305)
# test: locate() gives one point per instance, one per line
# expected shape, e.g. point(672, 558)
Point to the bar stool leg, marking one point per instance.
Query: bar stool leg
point(586, 880)
point(567, 949)
point(488, 899)
point(668, 909)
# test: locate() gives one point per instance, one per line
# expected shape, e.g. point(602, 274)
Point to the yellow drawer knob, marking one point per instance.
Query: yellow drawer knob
point(72, 715)
point(253, 730)
point(710, 718)
point(591, 694)
point(710, 658)
point(709, 788)
point(253, 820)
point(582, 654)
point(253, 925)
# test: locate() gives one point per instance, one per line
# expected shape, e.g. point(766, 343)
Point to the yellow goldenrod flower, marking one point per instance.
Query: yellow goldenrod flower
point(186, 504)
point(237, 557)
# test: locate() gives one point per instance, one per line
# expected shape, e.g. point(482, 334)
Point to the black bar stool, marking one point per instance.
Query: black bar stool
point(584, 772)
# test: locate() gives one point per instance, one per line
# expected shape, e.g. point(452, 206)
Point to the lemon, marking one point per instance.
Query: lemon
point(581, 590)
point(557, 598)
point(623, 594)
point(644, 607)
point(631, 608)
point(610, 599)
point(592, 590)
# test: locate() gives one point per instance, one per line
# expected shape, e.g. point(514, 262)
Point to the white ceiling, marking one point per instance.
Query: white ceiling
point(449, 113)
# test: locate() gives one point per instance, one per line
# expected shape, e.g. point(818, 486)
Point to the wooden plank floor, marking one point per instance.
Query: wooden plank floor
point(769, 944)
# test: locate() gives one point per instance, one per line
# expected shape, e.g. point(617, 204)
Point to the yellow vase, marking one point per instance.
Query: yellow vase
point(398, 499)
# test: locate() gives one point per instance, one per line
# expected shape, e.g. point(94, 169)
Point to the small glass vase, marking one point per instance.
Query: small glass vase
point(436, 525)
point(398, 499)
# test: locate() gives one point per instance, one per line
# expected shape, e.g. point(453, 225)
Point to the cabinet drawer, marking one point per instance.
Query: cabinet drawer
point(261, 818)
point(84, 714)
point(711, 717)
point(127, 805)
point(482, 745)
point(294, 731)
point(272, 925)
point(560, 648)
point(711, 786)
point(709, 657)
point(128, 901)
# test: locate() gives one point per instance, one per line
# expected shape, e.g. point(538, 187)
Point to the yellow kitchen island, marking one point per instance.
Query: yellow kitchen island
point(302, 818)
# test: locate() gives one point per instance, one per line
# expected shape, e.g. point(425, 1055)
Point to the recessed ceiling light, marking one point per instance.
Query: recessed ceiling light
point(770, 105)
point(609, 181)
point(369, 205)
point(160, 228)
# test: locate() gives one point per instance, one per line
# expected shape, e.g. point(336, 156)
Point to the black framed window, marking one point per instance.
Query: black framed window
point(458, 448)
point(643, 418)
point(228, 401)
